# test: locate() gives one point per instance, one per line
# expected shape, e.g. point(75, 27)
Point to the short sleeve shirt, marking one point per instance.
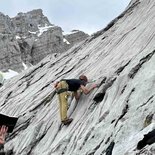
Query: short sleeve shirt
point(74, 84)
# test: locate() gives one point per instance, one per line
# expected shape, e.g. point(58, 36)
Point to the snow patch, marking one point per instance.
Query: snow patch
point(9, 74)
point(66, 41)
point(17, 37)
point(32, 32)
point(71, 32)
point(24, 65)
point(1, 78)
point(43, 29)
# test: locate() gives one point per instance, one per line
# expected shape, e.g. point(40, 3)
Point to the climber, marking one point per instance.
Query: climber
point(77, 86)
point(1, 79)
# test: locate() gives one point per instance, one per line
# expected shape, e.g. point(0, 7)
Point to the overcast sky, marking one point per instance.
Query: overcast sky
point(86, 15)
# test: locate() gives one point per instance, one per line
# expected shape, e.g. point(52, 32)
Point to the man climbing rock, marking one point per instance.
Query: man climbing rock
point(73, 85)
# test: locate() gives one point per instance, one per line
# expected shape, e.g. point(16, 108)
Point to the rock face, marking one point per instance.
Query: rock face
point(29, 22)
point(6, 26)
point(10, 55)
point(74, 37)
point(33, 37)
point(117, 118)
point(50, 42)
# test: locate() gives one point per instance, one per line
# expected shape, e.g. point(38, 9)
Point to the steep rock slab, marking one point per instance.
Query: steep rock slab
point(121, 59)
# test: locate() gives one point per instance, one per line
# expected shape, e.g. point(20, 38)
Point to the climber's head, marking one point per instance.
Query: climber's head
point(83, 78)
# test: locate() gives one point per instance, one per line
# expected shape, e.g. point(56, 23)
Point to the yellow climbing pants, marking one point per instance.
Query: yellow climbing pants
point(62, 88)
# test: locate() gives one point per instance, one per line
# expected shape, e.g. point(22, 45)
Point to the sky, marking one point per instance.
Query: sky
point(87, 15)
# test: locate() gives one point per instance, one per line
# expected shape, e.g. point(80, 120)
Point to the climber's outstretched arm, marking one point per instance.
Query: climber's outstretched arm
point(87, 90)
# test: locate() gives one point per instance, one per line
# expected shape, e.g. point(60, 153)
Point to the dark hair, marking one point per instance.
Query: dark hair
point(83, 78)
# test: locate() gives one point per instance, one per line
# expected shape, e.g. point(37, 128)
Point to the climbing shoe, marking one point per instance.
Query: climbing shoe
point(68, 121)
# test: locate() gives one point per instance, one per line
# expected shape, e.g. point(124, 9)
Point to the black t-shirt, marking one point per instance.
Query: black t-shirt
point(74, 84)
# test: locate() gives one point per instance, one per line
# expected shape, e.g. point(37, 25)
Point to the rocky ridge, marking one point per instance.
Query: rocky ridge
point(32, 38)
point(74, 37)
